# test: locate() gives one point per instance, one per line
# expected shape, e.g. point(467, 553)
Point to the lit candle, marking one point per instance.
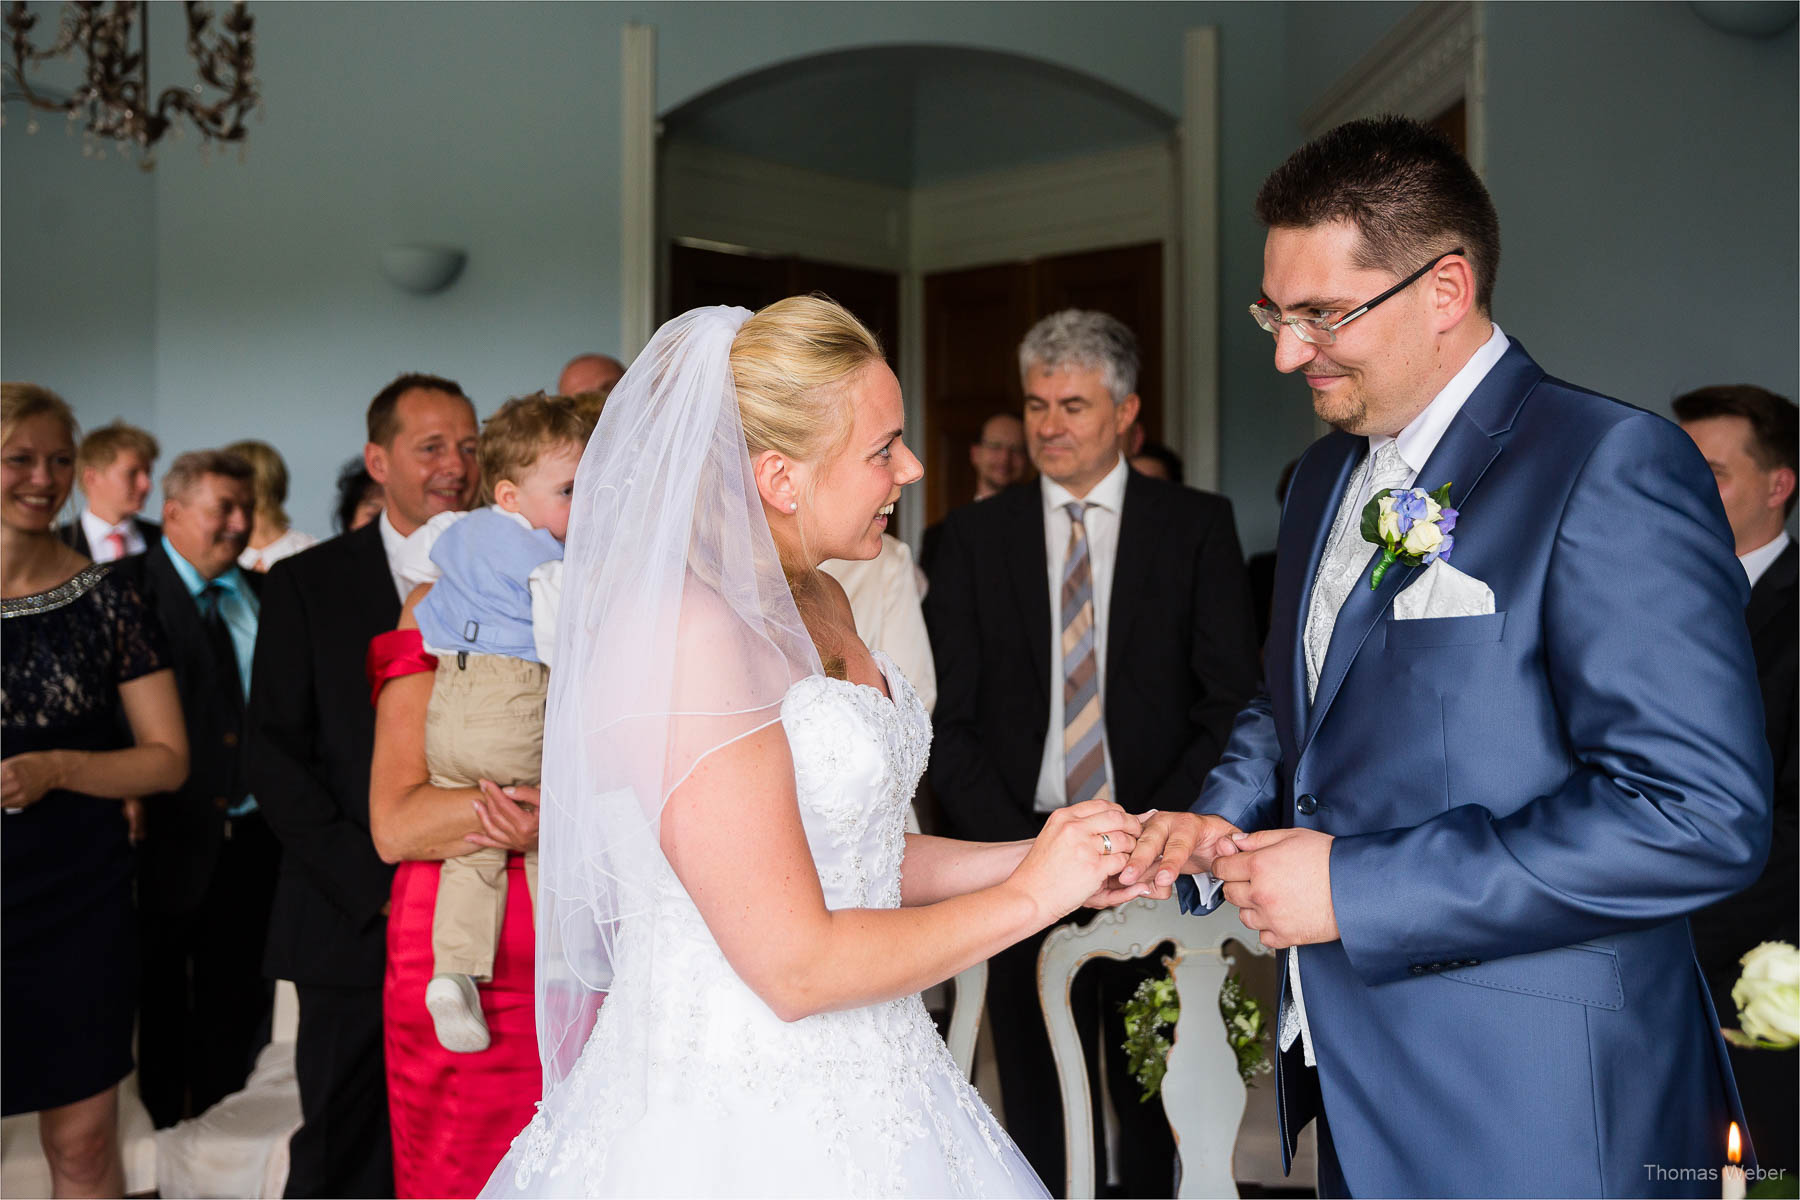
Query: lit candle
point(1731, 1175)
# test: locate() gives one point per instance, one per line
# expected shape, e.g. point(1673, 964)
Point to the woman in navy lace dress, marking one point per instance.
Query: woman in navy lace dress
point(89, 716)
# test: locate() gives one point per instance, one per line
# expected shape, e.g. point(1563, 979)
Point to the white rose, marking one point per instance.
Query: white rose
point(1768, 994)
point(1776, 962)
point(1433, 510)
point(1422, 538)
point(1388, 527)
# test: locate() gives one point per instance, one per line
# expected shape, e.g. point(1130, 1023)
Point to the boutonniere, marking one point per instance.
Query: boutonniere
point(1412, 527)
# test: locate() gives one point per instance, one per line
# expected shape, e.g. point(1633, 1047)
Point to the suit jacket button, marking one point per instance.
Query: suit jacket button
point(221, 803)
point(1416, 969)
point(230, 738)
point(1307, 804)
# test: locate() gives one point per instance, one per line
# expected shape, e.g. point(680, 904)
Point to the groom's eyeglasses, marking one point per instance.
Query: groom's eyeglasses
point(1322, 330)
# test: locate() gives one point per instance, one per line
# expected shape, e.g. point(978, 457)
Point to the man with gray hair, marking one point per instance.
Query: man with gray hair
point(207, 862)
point(1094, 637)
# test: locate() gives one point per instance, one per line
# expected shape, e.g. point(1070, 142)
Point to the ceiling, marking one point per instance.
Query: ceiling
point(913, 115)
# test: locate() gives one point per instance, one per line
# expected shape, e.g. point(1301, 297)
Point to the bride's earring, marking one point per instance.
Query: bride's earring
point(794, 507)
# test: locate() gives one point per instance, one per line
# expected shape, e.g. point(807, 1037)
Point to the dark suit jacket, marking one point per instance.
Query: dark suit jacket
point(183, 829)
point(72, 534)
point(1180, 653)
point(312, 733)
point(1765, 911)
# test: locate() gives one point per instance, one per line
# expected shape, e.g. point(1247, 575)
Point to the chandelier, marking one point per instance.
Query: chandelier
point(113, 94)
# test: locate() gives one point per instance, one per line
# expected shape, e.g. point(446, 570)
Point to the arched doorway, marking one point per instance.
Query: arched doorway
point(908, 162)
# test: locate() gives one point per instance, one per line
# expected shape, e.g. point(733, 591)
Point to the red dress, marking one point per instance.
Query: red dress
point(453, 1115)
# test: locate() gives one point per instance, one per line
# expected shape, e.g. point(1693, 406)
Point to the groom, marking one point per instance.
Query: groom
point(1483, 811)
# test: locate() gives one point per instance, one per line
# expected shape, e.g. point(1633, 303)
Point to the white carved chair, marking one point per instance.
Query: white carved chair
point(1202, 1093)
point(965, 1017)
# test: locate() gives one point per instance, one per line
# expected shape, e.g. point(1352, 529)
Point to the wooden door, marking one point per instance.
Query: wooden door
point(1453, 123)
point(699, 276)
point(1126, 284)
point(974, 321)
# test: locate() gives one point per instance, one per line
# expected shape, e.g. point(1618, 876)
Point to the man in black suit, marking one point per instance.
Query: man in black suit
point(312, 735)
point(206, 866)
point(1751, 439)
point(113, 465)
point(1094, 637)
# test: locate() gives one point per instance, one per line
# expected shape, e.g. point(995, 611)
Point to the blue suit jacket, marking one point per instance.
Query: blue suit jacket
point(1526, 807)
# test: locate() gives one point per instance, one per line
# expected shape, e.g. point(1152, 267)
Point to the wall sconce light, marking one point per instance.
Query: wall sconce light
point(422, 269)
point(1746, 18)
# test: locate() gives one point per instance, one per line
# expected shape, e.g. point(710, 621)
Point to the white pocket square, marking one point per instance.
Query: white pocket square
point(1444, 591)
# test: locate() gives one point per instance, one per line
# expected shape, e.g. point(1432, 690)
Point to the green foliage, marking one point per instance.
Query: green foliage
point(1151, 1014)
point(1775, 1187)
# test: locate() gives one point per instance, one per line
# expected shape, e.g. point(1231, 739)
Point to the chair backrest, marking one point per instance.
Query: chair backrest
point(1202, 1092)
point(965, 1017)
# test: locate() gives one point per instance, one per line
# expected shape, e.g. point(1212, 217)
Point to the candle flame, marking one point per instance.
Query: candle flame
point(1734, 1145)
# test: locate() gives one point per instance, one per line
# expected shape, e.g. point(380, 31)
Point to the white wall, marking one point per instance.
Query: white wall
point(1628, 138)
point(1645, 169)
point(493, 127)
point(77, 260)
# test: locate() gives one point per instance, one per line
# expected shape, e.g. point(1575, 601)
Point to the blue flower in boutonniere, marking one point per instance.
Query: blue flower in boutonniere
point(1412, 527)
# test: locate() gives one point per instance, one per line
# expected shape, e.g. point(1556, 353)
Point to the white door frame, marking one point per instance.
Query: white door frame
point(1434, 57)
point(637, 187)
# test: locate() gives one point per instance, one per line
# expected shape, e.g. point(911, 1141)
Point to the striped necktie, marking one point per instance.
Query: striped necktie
point(1084, 732)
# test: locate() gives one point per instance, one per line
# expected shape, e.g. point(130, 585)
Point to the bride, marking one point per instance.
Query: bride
point(726, 777)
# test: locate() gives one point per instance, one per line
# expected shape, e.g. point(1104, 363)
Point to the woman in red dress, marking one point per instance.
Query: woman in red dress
point(453, 1115)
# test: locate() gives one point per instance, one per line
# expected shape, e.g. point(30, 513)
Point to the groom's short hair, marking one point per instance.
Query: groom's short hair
point(1402, 184)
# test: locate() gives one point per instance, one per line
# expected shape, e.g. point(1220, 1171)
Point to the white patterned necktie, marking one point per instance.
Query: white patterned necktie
point(1346, 557)
point(1346, 554)
point(1084, 729)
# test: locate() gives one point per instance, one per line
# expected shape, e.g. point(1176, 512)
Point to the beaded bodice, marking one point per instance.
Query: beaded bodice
point(681, 1031)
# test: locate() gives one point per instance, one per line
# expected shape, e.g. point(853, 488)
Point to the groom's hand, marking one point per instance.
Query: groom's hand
point(1173, 844)
point(1280, 880)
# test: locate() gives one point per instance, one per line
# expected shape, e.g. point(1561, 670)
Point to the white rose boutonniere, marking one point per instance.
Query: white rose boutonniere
point(1412, 527)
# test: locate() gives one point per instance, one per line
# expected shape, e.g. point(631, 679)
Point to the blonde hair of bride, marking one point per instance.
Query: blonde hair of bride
point(789, 364)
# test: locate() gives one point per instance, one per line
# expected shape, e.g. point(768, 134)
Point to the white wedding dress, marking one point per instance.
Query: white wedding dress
point(718, 1096)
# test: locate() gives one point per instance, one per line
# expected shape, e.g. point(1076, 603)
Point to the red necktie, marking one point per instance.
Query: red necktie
point(115, 545)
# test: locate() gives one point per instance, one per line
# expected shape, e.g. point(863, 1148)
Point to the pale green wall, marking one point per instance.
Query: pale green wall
point(1658, 155)
point(1645, 168)
point(77, 264)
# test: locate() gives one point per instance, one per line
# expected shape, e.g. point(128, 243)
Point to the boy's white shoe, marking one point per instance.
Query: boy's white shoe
point(455, 1008)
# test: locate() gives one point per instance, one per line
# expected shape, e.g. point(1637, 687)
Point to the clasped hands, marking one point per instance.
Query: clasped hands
point(1279, 879)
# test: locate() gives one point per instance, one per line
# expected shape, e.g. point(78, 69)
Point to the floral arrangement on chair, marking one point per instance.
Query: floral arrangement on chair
point(1152, 1012)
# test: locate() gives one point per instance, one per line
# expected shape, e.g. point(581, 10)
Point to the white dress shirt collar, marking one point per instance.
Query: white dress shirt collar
point(1109, 493)
point(1425, 431)
point(1758, 561)
point(393, 545)
point(96, 529)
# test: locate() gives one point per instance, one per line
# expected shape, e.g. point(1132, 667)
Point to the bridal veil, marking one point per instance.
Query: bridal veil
point(678, 635)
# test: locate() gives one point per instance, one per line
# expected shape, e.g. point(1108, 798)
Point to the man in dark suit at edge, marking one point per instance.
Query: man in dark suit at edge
point(312, 737)
point(1751, 439)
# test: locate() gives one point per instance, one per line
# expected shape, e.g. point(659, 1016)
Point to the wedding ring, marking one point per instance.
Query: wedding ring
point(1106, 843)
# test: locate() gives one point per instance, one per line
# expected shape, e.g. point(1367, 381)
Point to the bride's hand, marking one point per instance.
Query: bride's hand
point(1071, 859)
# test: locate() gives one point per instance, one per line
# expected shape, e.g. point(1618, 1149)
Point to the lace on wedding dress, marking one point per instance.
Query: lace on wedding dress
point(865, 1101)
